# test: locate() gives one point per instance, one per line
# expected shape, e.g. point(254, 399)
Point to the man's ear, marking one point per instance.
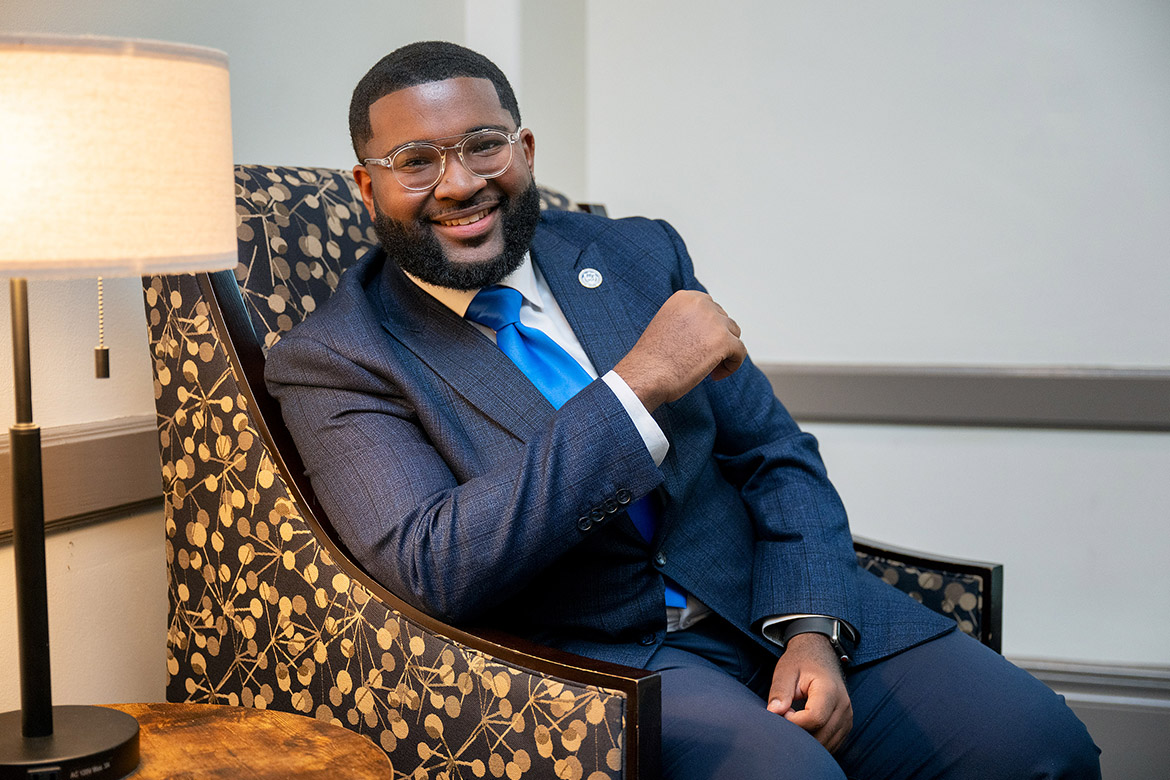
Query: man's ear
point(366, 187)
point(528, 144)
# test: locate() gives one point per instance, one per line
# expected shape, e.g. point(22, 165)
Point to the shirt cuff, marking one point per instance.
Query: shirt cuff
point(773, 628)
point(652, 435)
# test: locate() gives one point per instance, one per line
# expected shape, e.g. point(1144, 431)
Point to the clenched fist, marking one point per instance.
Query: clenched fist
point(691, 337)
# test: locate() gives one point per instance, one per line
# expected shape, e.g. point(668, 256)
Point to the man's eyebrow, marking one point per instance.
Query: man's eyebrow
point(437, 141)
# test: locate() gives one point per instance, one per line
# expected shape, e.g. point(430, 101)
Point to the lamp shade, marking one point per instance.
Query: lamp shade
point(116, 158)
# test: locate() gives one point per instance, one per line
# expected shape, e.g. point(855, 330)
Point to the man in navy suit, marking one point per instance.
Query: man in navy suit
point(666, 512)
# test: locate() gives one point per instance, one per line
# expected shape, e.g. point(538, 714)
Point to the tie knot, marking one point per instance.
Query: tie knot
point(496, 307)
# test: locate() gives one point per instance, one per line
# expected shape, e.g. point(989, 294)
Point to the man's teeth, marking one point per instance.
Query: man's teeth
point(476, 217)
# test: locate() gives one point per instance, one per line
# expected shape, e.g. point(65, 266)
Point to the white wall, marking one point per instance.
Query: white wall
point(1079, 521)
point(107, 614)
point(942, 183)
point(957, 182)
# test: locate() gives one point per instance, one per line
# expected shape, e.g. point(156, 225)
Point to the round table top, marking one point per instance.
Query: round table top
point(181, 741)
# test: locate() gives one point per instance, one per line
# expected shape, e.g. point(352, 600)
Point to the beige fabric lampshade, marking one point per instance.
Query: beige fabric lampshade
point(115, 158)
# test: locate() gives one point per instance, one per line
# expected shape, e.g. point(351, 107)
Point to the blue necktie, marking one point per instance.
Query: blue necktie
point(555, 374)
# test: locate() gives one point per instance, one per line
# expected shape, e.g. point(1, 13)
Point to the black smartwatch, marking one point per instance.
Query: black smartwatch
point(839, 633)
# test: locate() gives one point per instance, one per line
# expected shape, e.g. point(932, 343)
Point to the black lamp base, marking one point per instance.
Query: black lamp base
point(95, 743)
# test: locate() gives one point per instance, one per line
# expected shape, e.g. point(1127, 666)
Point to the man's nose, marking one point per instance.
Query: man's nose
point(457, 183)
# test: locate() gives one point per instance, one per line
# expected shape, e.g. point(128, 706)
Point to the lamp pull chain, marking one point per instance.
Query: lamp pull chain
point(101, 355)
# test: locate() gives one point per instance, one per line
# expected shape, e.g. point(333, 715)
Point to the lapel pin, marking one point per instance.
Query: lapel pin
point(589, 277)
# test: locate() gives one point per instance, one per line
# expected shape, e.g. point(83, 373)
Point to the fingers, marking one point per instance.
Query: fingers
point(730, 364)
point(736, 350)
point(690, 338)
point(732, 325)
point(784, 689)
point(827, 716)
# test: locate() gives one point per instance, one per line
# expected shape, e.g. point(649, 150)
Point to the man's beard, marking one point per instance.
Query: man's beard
point(417, 251)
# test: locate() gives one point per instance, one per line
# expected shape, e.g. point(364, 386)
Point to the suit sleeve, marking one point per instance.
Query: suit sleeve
point(803, 552)
point(451, 545)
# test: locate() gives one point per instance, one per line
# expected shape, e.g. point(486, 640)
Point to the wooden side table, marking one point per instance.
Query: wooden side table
point(199, 741)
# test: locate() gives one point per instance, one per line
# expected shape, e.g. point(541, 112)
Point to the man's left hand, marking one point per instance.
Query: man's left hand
point(809, 671)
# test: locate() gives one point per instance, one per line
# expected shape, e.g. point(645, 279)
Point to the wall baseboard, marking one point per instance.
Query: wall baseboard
point(91, 471)
point(1125, 708)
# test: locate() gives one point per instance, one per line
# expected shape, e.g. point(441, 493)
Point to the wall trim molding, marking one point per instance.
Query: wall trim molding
point(1126, 709)
point(1117, 685)
point(92, 471)
point(999, 396)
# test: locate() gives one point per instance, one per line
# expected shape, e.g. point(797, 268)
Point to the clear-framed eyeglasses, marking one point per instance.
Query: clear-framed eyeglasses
point(420, 166)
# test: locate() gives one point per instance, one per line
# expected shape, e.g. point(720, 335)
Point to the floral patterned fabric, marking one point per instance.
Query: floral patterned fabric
point(262, 616)
point(951, 593)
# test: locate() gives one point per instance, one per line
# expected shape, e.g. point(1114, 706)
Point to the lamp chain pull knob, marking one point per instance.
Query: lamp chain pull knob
point(101, 355)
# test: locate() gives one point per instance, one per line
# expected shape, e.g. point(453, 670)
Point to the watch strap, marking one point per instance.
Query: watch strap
point(837, 631)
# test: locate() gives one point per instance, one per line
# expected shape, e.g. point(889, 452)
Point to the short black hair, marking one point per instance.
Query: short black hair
point(421, 63)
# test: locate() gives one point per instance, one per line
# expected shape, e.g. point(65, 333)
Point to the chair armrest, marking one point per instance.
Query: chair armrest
point(969, 591)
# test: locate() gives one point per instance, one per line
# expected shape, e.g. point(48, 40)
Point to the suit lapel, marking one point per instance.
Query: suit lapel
point(465, 359)
point(598, 315)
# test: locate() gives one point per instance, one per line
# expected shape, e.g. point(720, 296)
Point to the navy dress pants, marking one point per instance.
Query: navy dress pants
point(948, 708)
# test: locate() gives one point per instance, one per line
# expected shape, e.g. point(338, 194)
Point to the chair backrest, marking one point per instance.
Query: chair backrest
point(299, 229)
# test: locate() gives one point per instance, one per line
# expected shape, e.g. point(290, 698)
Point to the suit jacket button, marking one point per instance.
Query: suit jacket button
point(624, 497)
point(596, 515)
point(610, 506)
point(660, 558)
point(584, 523)
point(647, 639)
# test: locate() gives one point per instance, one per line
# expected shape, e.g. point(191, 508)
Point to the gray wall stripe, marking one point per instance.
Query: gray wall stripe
point(1085, 398)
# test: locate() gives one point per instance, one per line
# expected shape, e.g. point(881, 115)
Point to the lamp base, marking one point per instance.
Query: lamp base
point(95, 743)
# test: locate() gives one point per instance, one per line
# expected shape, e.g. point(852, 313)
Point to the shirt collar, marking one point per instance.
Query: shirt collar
point(522, 279)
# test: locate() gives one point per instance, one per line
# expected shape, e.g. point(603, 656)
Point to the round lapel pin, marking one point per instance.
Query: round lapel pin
point(589, 277)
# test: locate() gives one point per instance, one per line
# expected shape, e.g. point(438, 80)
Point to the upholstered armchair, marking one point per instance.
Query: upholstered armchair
point(267, 610)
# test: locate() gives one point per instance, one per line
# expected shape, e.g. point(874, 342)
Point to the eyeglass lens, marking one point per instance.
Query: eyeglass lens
point(487, 153)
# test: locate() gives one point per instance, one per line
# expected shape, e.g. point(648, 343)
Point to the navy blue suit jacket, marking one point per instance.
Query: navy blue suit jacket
point(455, 483)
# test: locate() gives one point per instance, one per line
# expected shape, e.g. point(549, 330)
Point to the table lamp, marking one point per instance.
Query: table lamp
point(116, 159)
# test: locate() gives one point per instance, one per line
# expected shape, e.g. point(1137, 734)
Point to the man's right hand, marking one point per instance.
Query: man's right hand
point(691, 337)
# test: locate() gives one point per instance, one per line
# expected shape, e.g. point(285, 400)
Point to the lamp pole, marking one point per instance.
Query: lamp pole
point(70, 741)
point(28, 534)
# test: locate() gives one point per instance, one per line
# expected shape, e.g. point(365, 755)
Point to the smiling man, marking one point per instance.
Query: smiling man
point(541, 421)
